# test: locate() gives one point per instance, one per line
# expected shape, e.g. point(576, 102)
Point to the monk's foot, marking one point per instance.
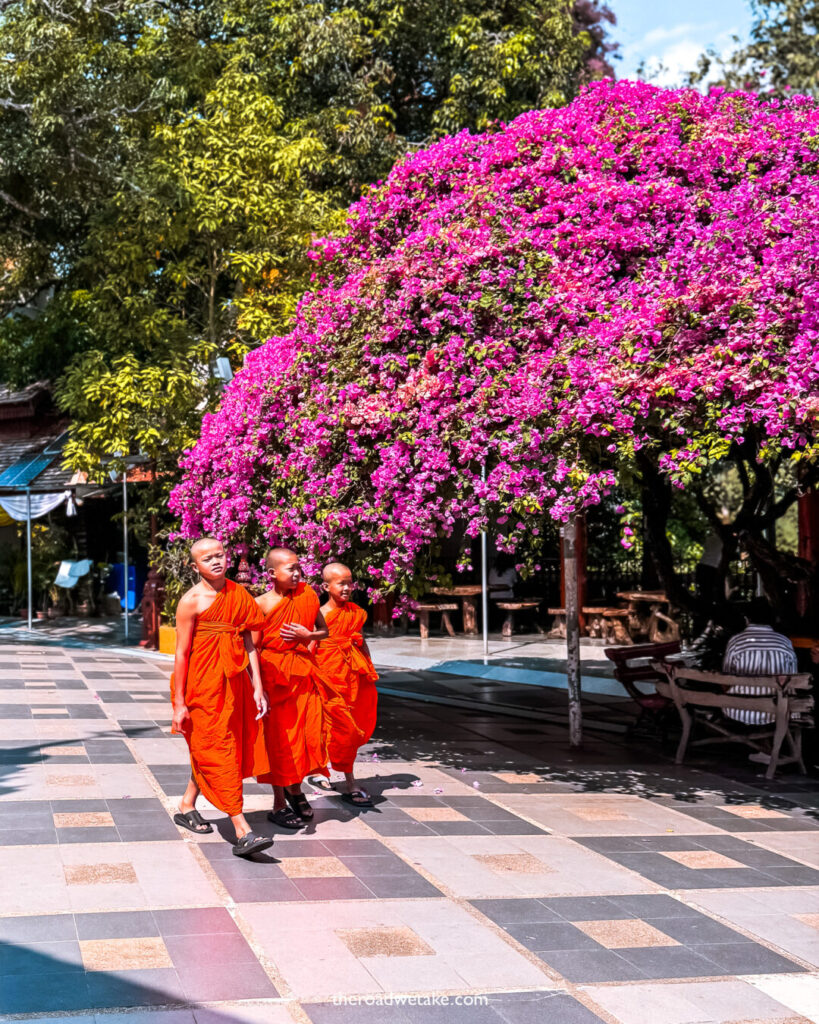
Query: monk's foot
point(357, 797)
point(193, 821)
point(285, 818)
point(250, 844)
point(301, 805)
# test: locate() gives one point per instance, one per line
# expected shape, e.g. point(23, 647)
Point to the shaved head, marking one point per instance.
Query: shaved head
point(278, 556)
point(199, 546)
point(333, 569)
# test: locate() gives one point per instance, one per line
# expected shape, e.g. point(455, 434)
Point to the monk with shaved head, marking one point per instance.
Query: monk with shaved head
point(344, 659)
point(216, 704)
point(301, 700)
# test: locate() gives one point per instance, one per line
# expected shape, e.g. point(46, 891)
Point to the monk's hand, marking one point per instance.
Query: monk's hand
point(294, 632)
point(181, 716)
point(261, 702)
point(814, 654)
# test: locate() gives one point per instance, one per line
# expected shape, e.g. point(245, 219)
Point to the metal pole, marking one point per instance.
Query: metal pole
point(125, 542)
point(28, 554)
point(569, 532)
point(484, 585)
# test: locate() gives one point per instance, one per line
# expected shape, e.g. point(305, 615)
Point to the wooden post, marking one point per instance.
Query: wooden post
point(808, 512)
point(582, 575)
point(572, 607)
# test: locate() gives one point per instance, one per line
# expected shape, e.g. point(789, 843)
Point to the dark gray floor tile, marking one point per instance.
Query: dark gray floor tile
point(748, 958)
point(101, 834)
point(274, 890)
point(697, 931)
point(542, 937)
point(587, 908)
point(515, 827)
point(355, 847)
point(516, 911)
point(198, 921)
point(671, 962)
point(133, 924)
point(154, 987)
point(51, 957)
point(541, 1007)
point(462, 828)
point(328, 1013)
point(650, 907)
point(43, 928)
point(337, 888)
point(407, 827)
point(400, 887)
point(210, 981)
point(373, 866)
point(453, 1014)
point(44, 993)
point(797, 875)
point(587, 967)
point(217, 948)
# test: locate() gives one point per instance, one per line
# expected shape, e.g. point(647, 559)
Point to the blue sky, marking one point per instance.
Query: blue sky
point(675, 33)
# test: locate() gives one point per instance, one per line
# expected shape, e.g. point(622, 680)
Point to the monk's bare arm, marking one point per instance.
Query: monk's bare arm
point(295, 632)
point(255, 673)
point(185, 620)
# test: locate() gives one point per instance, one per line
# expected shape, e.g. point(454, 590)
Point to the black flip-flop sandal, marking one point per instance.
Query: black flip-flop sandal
point(191, 819)
point(300, 804)
point(285, 818)
point(250, 844)
point(357, 798)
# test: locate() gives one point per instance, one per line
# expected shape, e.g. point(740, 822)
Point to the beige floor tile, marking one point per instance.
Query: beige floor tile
point(435, 814)
point(798, 994)
point(593, 814)
point(717, 1002)
point(518, 778)
point(702, 860)
point(378, 942)
point(124, 954)
point(119, 873)
point(752, 811)
point(91, 819)
point(314, 867)
point(811, 920)
point(513, 863)
point(629, 934)
point(568, 869)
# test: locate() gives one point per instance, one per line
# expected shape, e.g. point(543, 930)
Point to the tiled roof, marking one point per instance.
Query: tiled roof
point(52, 477)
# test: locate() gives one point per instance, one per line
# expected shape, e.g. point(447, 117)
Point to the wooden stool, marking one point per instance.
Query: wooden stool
point(596, 625)
point(616, 619)
point(558, 630)
point(424, 611)
point(510, 607)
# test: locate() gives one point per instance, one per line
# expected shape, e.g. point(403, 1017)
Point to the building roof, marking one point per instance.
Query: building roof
point(34, 463)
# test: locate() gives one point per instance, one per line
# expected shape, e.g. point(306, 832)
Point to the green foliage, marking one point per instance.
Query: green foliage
point(164, 166)
point(173, 561)
point(781, 55)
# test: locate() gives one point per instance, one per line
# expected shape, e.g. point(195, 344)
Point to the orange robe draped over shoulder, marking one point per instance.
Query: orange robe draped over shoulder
point(303, 706)
point(222, 730)
point(342, 660)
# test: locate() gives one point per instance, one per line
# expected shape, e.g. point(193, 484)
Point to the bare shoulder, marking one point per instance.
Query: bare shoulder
point(265, 601)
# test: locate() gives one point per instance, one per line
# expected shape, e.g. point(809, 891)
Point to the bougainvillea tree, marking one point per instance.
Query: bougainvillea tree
point(625, 290)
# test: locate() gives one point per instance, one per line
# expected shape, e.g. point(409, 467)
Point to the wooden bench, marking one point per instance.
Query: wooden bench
point(634, 665)
point(426, 609)
point(510, 607)
point(782, 697)
point(617, 619)
point(558, 630)
point(596, 625)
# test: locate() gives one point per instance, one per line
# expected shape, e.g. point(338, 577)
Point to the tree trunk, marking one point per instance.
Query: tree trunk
point(572, 632)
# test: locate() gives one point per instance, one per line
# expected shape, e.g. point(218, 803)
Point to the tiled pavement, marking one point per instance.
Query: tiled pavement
point(499, 877)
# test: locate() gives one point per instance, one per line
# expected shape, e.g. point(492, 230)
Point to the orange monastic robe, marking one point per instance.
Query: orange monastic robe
point(342, 660)
point(222, 731)
point(303, 705)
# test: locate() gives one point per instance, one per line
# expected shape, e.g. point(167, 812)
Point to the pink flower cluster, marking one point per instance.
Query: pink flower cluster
point(638, 271)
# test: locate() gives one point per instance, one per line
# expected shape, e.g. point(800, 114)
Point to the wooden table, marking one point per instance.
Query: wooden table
point(804, 642)
point(647, 610)
point(468, 594)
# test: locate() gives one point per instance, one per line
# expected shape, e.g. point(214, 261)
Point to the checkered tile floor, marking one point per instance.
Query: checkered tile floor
point(492, 882)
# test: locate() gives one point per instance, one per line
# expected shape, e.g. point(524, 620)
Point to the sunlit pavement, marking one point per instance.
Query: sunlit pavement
point(499, 876)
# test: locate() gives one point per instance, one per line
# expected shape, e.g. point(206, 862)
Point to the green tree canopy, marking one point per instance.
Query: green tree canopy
point(164, 166)
point(781, 55)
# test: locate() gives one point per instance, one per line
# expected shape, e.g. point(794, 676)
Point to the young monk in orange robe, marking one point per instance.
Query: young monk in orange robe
point(345, 659)
point(215, 706)
point(301, 701)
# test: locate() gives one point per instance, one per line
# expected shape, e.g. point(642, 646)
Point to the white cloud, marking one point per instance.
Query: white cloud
point(668, 54)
